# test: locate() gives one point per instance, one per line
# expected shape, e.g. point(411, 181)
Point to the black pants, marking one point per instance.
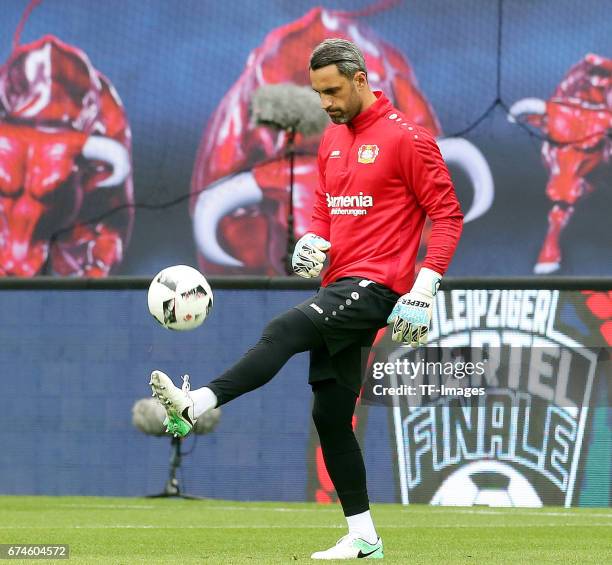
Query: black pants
point(334, 404)
point(332, 412)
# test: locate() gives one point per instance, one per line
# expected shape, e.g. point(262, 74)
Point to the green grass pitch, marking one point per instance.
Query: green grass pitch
point(141, 530)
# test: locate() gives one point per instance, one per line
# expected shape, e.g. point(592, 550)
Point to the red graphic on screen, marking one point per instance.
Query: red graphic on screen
point(600, 304)
point(577, 120)
point(240, 217)
point(65, 158)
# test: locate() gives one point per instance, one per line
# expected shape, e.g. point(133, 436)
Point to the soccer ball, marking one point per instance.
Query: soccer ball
point(180, 298)
point(487, 483)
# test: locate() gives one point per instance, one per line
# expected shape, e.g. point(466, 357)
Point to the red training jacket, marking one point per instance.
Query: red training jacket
point(379, 175)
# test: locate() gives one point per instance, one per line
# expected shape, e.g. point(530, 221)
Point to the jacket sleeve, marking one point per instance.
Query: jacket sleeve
point(427, 176)
point(320, 213)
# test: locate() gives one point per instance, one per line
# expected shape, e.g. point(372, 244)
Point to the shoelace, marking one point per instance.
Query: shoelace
point(186, 387)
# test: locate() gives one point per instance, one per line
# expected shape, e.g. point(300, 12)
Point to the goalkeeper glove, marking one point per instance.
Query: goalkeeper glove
point(412, 313)
point(308, 256)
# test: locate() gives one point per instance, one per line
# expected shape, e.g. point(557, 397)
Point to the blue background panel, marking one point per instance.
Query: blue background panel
point(74, 363)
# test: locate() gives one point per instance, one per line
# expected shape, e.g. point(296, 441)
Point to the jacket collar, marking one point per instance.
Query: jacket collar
point(365, 119)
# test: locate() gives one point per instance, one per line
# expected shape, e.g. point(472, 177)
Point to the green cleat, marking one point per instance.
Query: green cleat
point(176, 401)
point(352, 547)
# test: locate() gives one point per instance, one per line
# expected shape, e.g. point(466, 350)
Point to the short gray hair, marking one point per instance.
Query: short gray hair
point(345, 55)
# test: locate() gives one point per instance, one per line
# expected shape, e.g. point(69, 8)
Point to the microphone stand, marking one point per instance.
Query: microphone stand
point(172, 488)
point(290, 153)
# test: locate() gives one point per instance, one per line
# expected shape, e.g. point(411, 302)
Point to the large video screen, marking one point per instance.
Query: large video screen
point(129, 143)
point(500, 408)
point(76, 362)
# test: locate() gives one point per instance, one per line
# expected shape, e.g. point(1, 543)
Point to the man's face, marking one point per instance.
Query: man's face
point(340, 96)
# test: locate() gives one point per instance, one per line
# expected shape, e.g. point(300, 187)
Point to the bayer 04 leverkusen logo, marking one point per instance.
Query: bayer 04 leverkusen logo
point(521, 442)
point(367, 154)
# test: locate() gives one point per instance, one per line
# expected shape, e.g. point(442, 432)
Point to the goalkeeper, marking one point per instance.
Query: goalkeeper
point(380, 175)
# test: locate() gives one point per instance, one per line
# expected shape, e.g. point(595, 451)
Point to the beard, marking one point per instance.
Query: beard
point(353, 108)
point(340, 119)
